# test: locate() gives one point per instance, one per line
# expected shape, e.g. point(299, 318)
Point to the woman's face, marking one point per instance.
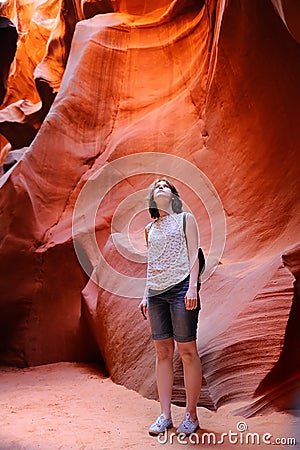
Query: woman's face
point(162, 189)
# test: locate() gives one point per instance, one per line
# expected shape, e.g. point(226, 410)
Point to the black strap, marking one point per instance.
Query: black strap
point(201, 256)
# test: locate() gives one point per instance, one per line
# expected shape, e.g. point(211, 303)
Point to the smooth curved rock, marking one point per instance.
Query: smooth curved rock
point(281, 386)
point(289, 11)
point(215, 84)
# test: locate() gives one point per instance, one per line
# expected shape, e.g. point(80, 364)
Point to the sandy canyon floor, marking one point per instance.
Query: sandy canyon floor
point(74, 406)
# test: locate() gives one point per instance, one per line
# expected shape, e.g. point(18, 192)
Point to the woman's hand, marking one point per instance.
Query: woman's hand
point(191, 298)
point(143, 308)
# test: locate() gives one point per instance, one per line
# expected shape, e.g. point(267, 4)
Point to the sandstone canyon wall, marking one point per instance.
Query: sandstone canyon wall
point(170, 87)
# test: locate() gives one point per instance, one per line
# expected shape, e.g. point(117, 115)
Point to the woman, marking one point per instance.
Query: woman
point(172, 301)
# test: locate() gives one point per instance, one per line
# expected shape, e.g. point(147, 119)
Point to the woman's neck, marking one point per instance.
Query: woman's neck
point(165, 212)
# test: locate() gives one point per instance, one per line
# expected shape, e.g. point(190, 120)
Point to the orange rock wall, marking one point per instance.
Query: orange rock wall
point(217, 85)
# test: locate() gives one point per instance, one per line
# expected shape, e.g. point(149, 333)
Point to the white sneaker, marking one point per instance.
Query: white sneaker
point(188, 426)
point(160, 425)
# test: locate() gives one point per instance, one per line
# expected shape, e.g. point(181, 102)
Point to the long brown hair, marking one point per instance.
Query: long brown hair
point(176, 200)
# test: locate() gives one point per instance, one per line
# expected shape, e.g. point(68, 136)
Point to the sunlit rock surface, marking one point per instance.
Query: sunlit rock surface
point(214, 83)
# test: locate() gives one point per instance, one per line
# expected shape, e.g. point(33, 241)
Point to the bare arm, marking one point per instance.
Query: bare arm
point(143, 303)
point(192, 243)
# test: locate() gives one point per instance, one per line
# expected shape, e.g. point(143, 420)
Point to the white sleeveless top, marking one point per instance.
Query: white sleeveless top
point(168, 260)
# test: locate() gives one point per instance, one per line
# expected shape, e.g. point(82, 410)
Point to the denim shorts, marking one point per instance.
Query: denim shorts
point(169, 316)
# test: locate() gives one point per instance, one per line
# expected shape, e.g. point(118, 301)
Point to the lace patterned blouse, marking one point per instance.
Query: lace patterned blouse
point(168, 260)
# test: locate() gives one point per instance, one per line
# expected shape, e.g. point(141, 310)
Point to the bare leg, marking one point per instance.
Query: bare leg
point(192, 370)
point(164, 373)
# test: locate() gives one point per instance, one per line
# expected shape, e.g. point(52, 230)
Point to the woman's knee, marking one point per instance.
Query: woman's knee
point(188, 351)
point(164, 349)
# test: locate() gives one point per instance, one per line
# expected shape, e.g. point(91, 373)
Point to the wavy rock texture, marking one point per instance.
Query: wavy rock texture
point(34, 25)
point(34, 22)
point(215, 83)
point(46, 31)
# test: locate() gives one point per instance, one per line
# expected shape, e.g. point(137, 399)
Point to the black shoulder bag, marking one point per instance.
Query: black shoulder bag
point(201, 257)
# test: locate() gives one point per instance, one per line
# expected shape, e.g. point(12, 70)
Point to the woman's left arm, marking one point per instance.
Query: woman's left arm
point(191, 297)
